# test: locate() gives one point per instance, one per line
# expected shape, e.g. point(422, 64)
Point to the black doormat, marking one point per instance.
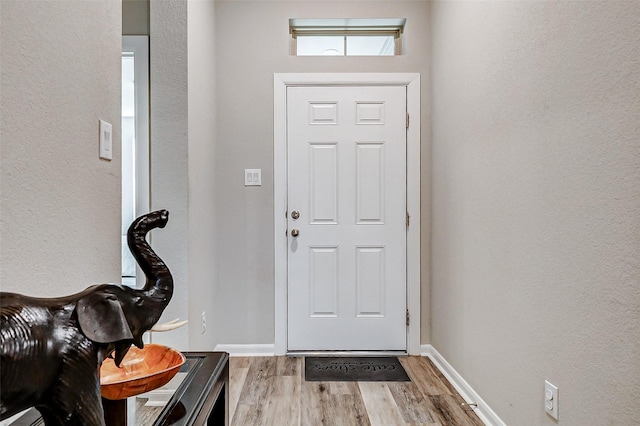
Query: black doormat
point(354, 369)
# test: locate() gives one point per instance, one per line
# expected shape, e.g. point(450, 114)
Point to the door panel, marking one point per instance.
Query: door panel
point(370, 183)
point(323, 185)
point(370, 281)
point(346, 150)
point(323, 282)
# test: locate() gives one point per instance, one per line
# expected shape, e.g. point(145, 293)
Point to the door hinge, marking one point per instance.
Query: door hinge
point(408, 219)
point(407, 120)
point(407, 318)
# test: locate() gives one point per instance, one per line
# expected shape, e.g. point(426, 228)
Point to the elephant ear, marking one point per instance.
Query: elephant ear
point(102, 319)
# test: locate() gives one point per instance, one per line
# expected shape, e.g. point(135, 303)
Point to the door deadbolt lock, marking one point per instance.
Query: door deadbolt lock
point(295, 232)
point(295, 214)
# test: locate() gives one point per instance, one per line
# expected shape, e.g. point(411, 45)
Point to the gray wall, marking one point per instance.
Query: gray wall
point(135, 17)
point(183, 146)
point(169, 181)
point(252, 43)
point(536, 196)
point(202, 154)
point(59, 204)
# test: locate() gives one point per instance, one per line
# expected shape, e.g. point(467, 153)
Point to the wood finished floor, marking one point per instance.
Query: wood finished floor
point(272, 391)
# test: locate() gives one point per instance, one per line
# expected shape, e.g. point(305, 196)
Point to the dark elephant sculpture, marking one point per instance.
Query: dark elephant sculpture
point(51, 349)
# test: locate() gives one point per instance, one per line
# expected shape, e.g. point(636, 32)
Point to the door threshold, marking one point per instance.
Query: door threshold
point(347, 353)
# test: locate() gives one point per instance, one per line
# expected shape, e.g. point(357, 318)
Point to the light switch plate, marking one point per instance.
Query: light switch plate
point(252, 177)
point(106, 132)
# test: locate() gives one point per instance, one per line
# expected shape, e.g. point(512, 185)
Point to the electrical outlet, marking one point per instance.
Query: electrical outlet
point(551, 399)
point(203, 324)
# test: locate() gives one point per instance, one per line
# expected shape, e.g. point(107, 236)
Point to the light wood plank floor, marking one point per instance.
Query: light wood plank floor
point(272, 391)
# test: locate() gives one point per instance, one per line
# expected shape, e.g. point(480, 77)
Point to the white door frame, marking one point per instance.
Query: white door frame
point(280, 83)
point(139, 45)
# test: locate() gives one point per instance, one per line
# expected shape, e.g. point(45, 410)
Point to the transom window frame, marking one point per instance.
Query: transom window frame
point(365, 27)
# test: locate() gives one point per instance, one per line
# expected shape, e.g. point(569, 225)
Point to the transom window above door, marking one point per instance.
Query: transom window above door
point(346, 37)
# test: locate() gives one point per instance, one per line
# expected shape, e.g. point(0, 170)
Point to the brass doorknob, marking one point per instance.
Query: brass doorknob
point(295, 214)
point(295, 232)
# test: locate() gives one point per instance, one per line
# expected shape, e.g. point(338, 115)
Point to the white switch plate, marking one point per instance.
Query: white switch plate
point(551, 399)
point(105, 140)
point(252, 177)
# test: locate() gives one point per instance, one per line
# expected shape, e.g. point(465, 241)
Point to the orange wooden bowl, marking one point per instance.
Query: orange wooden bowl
point(141, 370)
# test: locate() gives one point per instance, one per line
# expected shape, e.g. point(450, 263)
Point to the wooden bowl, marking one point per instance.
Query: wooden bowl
point(140, 371)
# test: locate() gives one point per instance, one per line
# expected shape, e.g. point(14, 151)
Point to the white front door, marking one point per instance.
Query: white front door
point(346, 149)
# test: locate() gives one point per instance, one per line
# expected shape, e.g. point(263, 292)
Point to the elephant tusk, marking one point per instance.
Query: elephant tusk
point(167, 326)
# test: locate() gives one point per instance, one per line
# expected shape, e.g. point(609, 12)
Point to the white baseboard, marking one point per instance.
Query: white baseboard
point(247, 350)
point(486, 414)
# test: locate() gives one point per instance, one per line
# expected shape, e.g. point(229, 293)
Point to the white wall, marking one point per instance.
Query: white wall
point(536, 202)
point(252, 43)
point(59, 204)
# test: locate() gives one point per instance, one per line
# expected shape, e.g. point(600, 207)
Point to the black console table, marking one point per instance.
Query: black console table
point(201, 399)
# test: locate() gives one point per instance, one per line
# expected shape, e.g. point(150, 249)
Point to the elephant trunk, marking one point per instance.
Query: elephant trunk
point(159, 282)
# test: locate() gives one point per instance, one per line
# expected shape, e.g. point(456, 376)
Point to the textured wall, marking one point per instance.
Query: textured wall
point(536, 202)
point(169, 152)
point(202, 149)
point(252, 44)
point(59, 204)
point(135, 17)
